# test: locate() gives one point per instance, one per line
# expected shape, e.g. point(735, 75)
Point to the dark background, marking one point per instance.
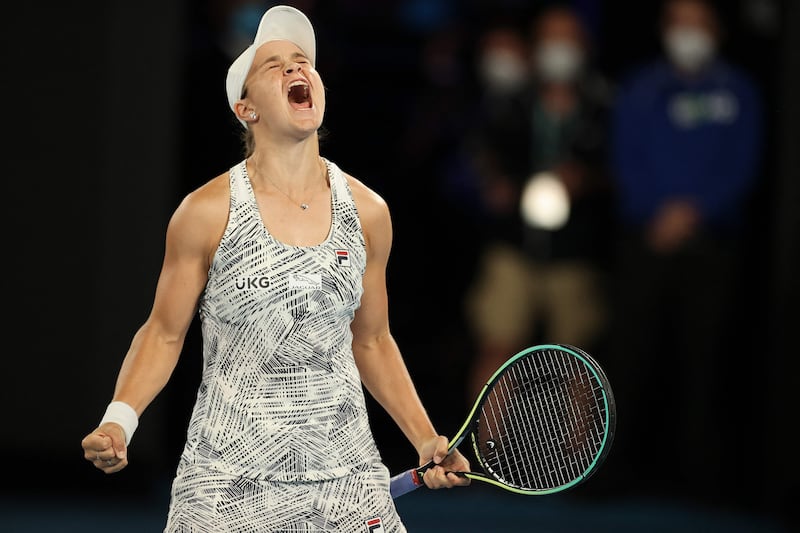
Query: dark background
point(115, 110)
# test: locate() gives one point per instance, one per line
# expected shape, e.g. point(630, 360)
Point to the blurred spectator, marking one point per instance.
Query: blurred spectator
point(686, 148)
point(538, 278)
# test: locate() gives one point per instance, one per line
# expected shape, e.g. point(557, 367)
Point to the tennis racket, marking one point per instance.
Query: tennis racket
point(542, 424)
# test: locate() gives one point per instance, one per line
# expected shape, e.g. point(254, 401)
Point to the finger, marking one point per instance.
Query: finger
point(441, 450)
point(97, 445)
point(109, 466)
point(436, 478)
point(457, 462)
point(102, 459)
point(457, 480)
point(117, 435)
point(439, 477)
point(450, 479)
point(108, 461)
point(96, 440)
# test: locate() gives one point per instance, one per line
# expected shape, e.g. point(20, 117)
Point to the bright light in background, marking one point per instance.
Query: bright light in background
point(545, 202)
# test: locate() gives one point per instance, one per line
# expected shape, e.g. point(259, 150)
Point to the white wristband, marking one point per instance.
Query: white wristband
point(123, 414)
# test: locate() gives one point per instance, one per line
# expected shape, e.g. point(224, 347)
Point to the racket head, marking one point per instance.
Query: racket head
point(544, 422)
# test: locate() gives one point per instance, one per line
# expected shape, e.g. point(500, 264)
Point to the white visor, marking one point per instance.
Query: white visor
point(279, 23)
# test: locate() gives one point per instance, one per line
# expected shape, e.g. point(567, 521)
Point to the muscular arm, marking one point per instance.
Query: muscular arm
point(157, 344)
point(192, 234)
point(377, 355)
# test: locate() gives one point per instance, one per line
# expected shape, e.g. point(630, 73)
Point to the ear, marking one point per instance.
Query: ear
point(245, 112)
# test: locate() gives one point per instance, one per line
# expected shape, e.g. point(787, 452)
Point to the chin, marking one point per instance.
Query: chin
point(309, 124)
point(304, 132)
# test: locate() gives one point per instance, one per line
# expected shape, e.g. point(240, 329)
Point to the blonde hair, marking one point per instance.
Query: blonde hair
point(249, 142)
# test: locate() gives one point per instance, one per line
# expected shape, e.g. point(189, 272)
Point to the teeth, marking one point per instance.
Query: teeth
point(296, 83)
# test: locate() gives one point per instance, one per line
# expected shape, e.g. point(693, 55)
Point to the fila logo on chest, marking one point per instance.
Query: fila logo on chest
point(342, 258)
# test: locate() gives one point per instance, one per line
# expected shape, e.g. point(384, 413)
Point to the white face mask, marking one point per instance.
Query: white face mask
point(558, 61)
point(502, 70)
point(689, 48)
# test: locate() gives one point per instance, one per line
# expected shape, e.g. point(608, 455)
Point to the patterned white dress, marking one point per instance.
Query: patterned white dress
point(279, 438)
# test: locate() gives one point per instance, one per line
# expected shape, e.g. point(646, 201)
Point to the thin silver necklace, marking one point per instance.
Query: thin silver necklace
point(303, 205)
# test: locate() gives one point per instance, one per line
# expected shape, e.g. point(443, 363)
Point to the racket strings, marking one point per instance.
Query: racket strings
point(544, 422)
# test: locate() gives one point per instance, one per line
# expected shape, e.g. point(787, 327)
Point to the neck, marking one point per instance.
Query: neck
point(294, 168)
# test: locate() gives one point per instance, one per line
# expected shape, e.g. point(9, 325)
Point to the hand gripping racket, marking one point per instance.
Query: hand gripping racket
point(542, 424)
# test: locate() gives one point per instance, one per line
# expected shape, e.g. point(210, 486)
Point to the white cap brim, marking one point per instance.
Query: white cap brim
point(279, 23)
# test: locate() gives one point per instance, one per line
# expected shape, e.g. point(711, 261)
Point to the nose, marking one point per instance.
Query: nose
point(293, 67)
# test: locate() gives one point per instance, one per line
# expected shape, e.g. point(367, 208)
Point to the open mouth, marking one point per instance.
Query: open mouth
point(300, 95)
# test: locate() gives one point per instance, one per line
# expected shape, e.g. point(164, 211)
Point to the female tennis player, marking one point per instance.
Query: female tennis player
point(284, 258)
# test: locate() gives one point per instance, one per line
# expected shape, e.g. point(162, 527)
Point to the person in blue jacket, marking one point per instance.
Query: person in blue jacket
point(686, 149)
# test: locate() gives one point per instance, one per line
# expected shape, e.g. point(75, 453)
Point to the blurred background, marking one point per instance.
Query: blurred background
point(687, 296)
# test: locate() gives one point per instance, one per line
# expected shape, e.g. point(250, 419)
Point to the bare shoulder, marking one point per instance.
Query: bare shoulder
point(371, 206)
point(202, 215)
point(376, 223)
point(206, 202)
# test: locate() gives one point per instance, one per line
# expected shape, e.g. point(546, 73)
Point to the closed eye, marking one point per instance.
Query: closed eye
point(300, 58)
point(276, 62)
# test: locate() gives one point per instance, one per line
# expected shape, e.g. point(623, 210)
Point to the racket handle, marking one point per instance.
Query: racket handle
point(405, 482)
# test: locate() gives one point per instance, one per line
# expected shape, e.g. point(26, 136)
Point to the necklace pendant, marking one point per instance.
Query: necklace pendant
point(303, 206)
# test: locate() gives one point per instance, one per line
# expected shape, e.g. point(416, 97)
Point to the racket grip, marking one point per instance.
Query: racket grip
point(405, 482)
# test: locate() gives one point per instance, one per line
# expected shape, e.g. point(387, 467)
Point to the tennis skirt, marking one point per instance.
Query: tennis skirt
point(208, 501)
